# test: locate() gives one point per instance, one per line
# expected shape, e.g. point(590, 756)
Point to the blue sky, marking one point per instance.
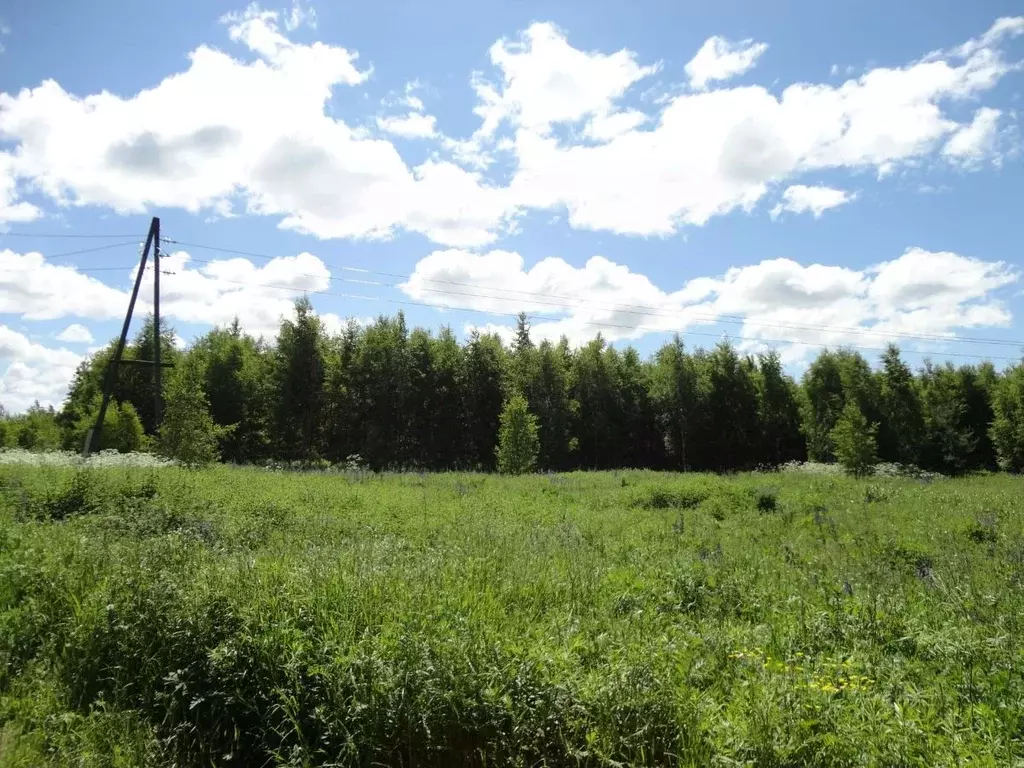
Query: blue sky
point(790, 174)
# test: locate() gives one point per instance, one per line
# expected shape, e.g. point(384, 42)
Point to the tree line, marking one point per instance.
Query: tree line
point(386, 397)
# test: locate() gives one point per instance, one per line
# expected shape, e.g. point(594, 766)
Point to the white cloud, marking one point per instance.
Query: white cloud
point(256, 134)
point(712, 152)
point(414, 125)
point(211, 293)
point(299, 15)
point(607, 126)
point(226, 130)
point(217, 292)
point(34, 372)
point(816, 200)
point(972, 143)
point(779, 300)
point(38, 290)
point(544, 81)
point(77, 334)
point(10, 210)
point(720, 59)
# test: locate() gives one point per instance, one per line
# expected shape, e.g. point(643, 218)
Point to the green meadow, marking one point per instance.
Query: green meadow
point(244, 617)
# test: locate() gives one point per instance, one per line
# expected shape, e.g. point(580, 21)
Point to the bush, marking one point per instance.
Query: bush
point(518, 444)
point(854, 439)
point(188, 433)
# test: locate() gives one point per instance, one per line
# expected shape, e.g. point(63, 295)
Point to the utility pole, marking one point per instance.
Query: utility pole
point(158, 390)
point(92, 437)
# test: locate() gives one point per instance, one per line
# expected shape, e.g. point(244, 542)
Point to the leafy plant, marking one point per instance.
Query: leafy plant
point(518, 444)
point(854, 441)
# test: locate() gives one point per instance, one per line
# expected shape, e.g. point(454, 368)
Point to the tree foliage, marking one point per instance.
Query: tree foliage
point(853, 438)
point(395, 398)
point(1008, 423)
point(518, 443)
point(188, 433)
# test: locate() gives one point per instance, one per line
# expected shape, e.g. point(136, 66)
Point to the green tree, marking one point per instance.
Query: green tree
point(640, 444)
point(343, 420)
point(238, 384)
point(298, 383)
point(518, 443)
point(854, 440)
point(978, 384)
point(778, 407)
point(732, 409)
point(135, 384)
point(382, 384)
point(484, 397)
point(823, 400)
point(548, 394)
point(678, 402)
point(8, 430)
point(902, 422)
point(188, 433)
point(1008, 425)
point(949, 439)
point(38, 429)
point(122, 429)
point(596, 425)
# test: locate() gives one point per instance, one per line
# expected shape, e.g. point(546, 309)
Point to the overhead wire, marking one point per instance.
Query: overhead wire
point(534, 298)
point(106, 247)
point(68, 235)
point(125, 268)
point(649, 329)
point(635, 309)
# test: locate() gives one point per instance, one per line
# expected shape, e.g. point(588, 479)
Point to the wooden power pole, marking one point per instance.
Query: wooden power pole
point(92, 438)
point(157, 391)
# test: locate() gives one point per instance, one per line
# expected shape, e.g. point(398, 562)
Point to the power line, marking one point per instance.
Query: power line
point(77, 269)
point(106, 247)
point(635, 309)
point(592, 324)
point(631, 309)
point(62, 235)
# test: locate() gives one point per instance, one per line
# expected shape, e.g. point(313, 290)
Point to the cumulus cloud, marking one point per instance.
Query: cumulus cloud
point(217, 292)
point(413, 125)
point(545, 81)
point(33, 372)
point(720, 59)
point(207, 293)
point(36, 289)
point(974, 142)
point(254, 132)
point(76, 334)
point(300, 15)
point(920, 292)
point(815, 200)
point(713, 152)
point(12, 210)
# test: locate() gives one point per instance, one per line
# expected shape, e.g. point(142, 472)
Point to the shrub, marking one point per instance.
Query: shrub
point(518, 443)
point(188, 432)
point(855, 443)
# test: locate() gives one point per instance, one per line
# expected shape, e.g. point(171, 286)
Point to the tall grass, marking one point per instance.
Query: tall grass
point(242, 617)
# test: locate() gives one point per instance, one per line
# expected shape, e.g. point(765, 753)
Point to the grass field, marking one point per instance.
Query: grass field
point(245, 617)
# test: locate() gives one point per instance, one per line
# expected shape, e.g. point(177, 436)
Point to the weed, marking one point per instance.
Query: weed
point(245, 617)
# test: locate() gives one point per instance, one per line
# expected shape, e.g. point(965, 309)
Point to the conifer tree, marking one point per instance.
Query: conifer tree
point(854, 440)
